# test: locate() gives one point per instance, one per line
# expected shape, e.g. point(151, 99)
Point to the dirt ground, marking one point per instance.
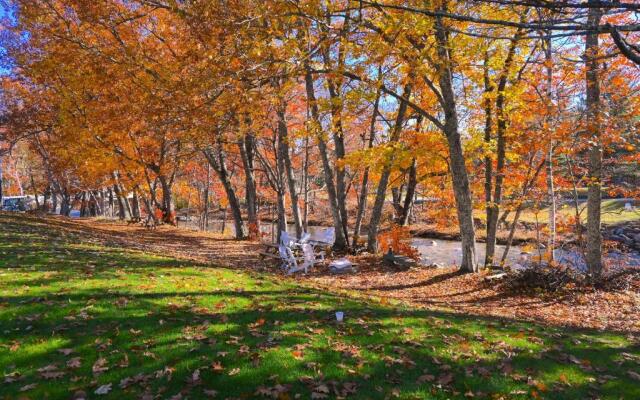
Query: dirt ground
point(442, 288)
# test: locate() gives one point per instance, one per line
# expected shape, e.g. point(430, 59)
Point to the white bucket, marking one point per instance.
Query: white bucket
point(339, 316)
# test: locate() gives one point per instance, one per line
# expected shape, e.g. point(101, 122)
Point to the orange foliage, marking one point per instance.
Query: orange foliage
point(254, 231)
point(397, 239)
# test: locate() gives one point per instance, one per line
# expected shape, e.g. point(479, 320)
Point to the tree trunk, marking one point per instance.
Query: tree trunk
point(205, 201)
point(551, 243)
point(396, 195)
point(83, 205)
point(1, 180)
point(283, 149)
point(495, 202)
point(410, 195)
point(122, 210)
point(94, 206)
point(65, 206)
point(364, 192)
point(45, 202)
point(54, 202)
point(490, 245)
point(135, 206)
point(279, 183)
point(460, 178)
point(305, 210)
point(223, 227)
point(34, 189)
point(281, 213)
point(338, 142)
point(334, 85)
point(341, 241)
point(218, 163)
point(381, 193)
point(151, 215)
point(99, 198)
point(594, 168)
point(123, 203)
point(168, 206)
point(247, 153)
point(111, 204)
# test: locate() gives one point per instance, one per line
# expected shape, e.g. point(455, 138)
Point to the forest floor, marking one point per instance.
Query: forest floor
point(99, 310)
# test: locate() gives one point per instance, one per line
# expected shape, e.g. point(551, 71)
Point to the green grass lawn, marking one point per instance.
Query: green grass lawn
point(80, 318)
point(612, 213)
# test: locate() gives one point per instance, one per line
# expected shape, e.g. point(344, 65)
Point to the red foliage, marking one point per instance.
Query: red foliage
point(397, 239)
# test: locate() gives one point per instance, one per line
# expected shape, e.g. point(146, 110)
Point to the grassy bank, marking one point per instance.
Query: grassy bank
point(79, 318)
point(613, 212)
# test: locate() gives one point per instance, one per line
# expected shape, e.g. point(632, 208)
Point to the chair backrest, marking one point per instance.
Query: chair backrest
point(329, 235)
point(285, 240)
point(305, 237)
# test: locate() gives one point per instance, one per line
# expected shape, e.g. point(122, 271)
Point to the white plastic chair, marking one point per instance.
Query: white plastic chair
point(285, 239)
point(309, 259)
point(289, 262)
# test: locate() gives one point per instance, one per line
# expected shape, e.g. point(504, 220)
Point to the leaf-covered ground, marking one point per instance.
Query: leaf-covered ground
point(82, 320)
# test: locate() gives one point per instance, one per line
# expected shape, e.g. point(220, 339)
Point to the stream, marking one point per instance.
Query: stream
point(449, 252)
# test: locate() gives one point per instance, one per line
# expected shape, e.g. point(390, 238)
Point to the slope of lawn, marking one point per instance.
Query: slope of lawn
point(83, 321)
point(612, 213)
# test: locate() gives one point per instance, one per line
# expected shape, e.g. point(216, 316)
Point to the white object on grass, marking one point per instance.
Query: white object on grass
point(289, 262)
point(340, 266)
point(339, 316)
point(340, 263)
point(308, 257)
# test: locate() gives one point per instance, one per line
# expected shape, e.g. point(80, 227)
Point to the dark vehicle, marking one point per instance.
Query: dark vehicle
point(16, 203)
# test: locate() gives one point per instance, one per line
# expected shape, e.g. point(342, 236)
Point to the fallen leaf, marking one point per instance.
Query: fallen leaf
point(104, 389)
point(426, 378)
point(74, 362)
point(563, 378)
point(217, 367)
point(634, 375)
point(195, 377)
point(50, 367)
point(28, 387)
point(52, 374)
point(445, 379)
point(99, 366)
point(13, 377)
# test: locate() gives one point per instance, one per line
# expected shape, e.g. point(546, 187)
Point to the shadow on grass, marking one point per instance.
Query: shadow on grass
point(378, 348)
